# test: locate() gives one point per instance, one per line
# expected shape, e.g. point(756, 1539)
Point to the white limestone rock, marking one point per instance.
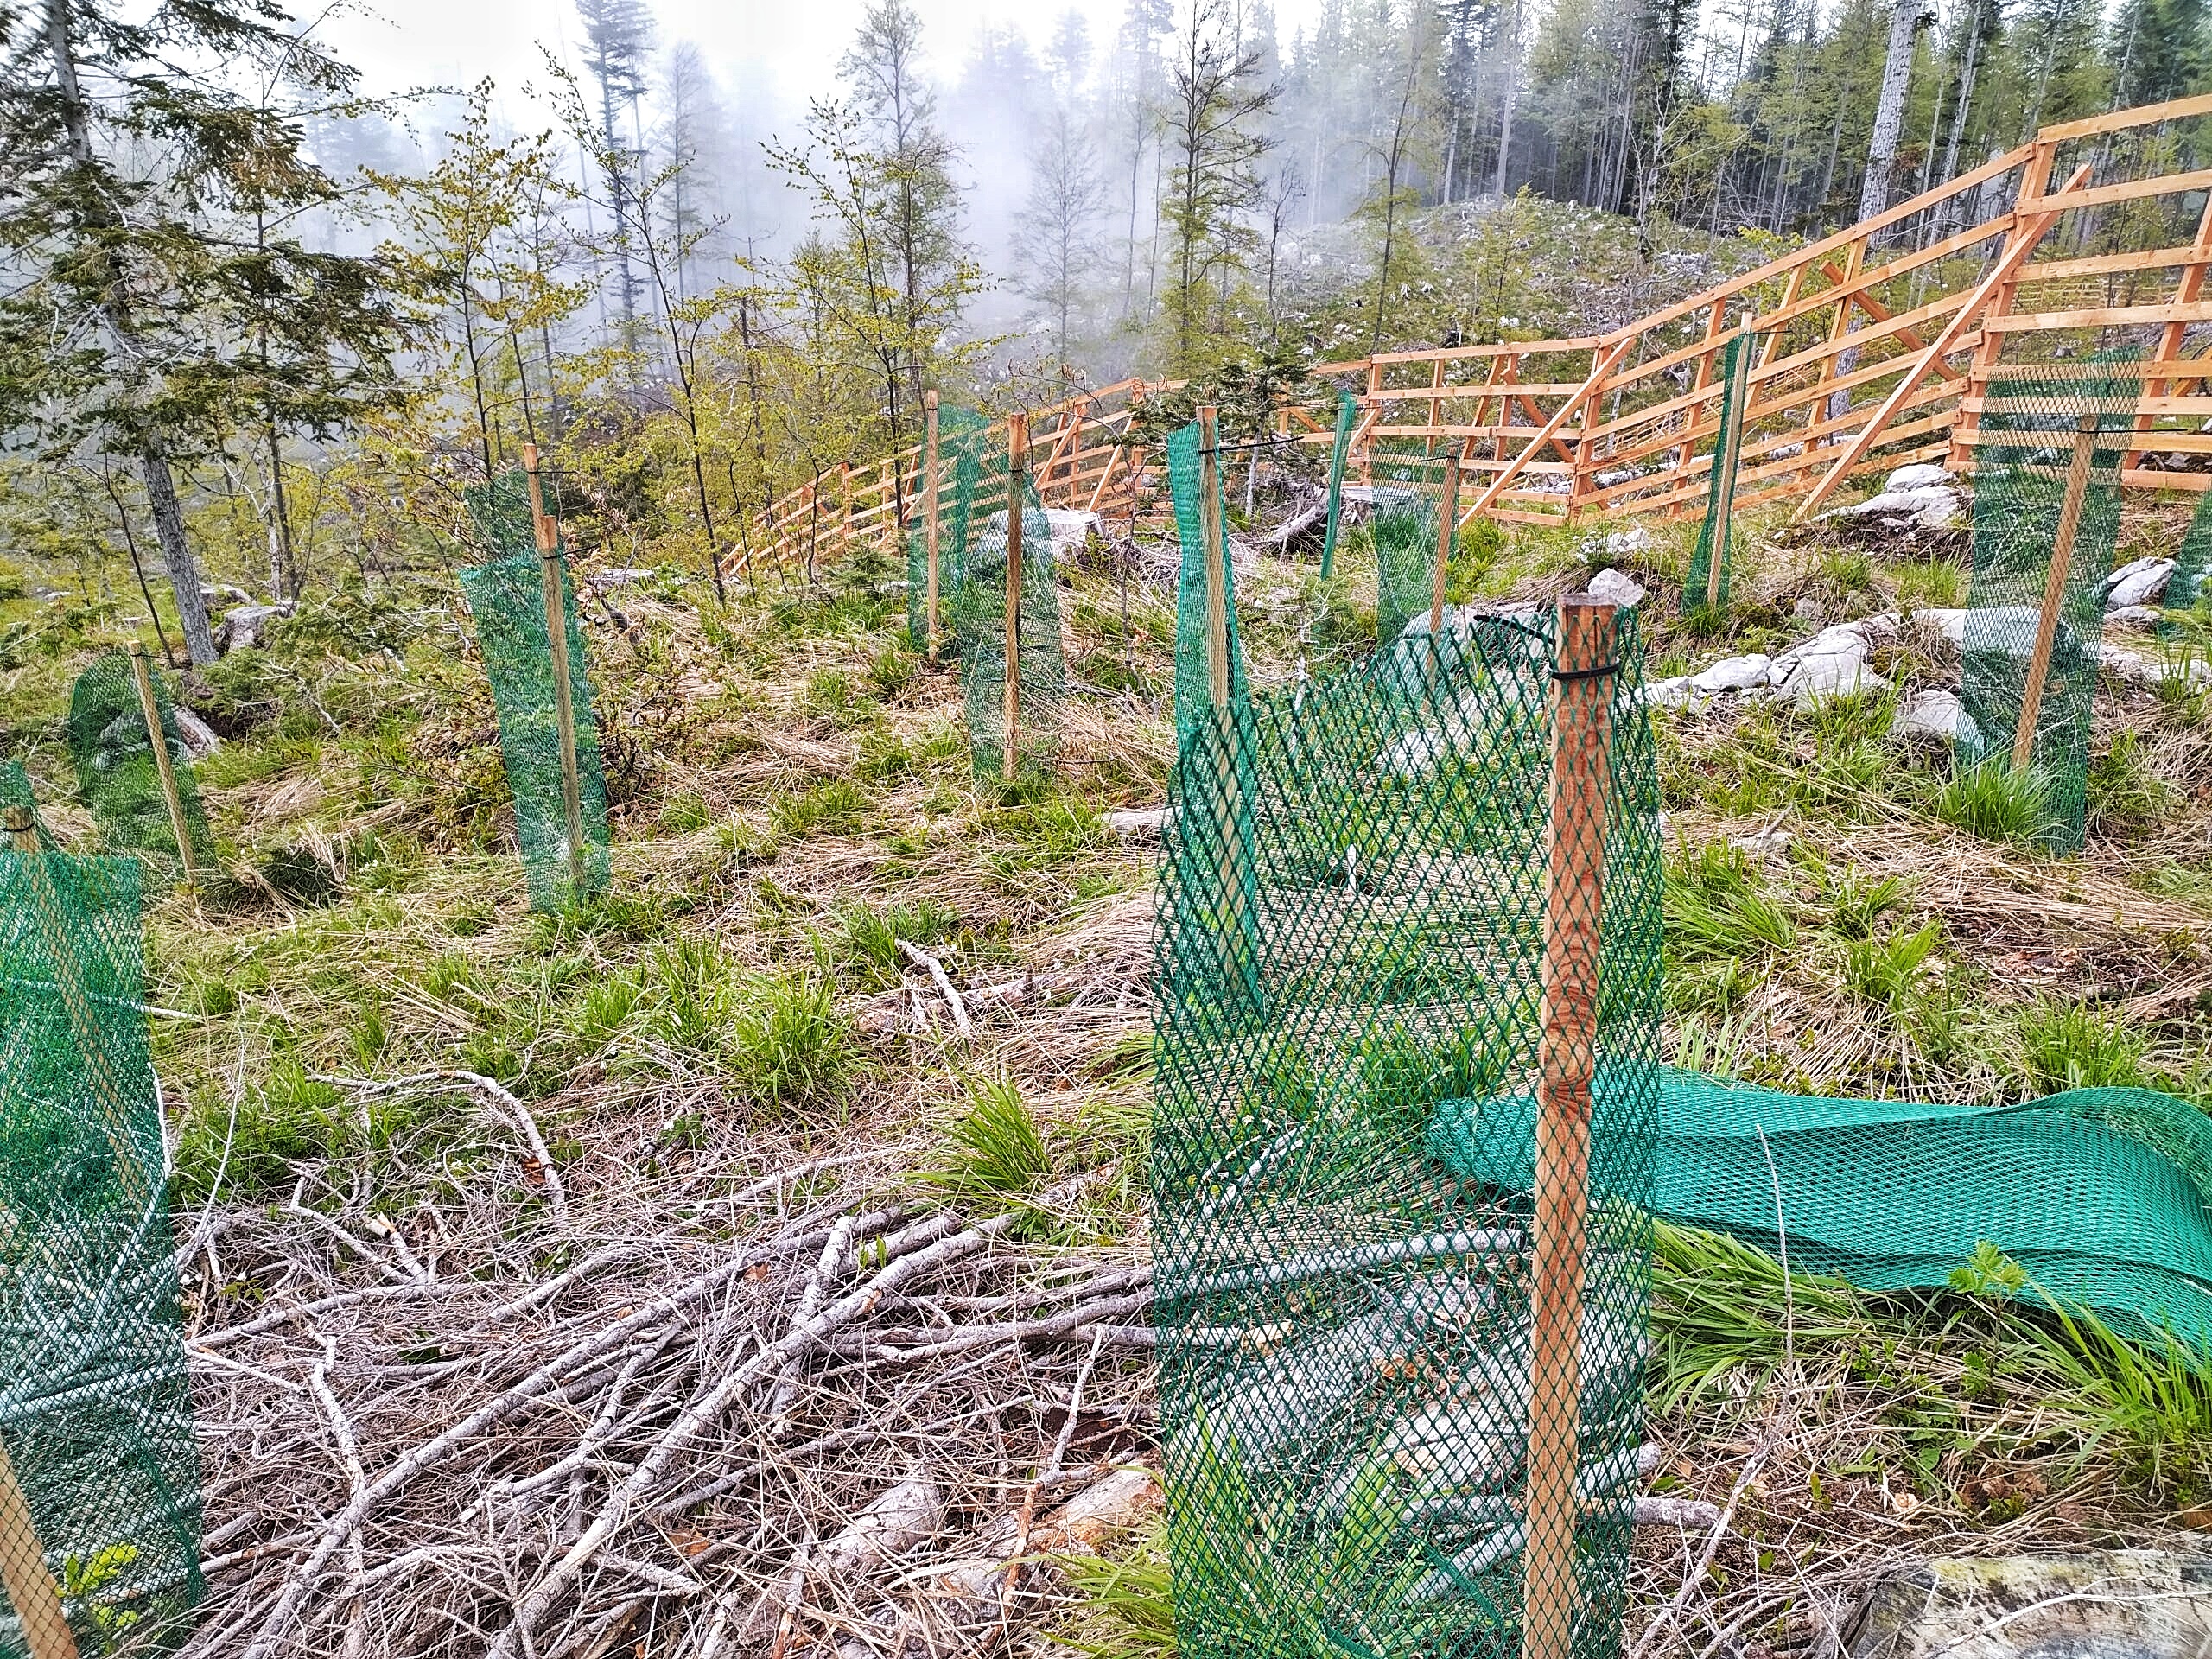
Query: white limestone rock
point(1618, 588)
point(1921, 475)
point(2134, 616)
point(1677, 693)
point(1932, 716)
point(2137, 583)
point(1746, 673)
point(1833, 664)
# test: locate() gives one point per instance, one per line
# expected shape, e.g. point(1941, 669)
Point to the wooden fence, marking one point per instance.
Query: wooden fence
point(1874, 347)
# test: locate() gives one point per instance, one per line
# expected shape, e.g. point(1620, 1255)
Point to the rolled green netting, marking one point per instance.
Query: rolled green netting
point(2046, 468)
point(1347, 407)
point(95, 1403)
point(499, 509)
point(16, 790)
point(2103, 1195)
point(507, 598)
point(1352, 918)
point(979, 623)
point(1193, 665)
point(1736, 359)
point(2192, 562)
point(1406, 491)
point(961, 436)
point(116, 775)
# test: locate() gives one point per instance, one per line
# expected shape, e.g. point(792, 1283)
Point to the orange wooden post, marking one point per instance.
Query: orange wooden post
point(2054, 593)
point(1448, 536)
point(1017, 461)
point(887, 487)
point(1734, 398)
point(1435, 406)
point(1704, 378)
point(845, 513)
point(2169, 337)
point(1217, 675)
point(30, 1586)
point(928, 523)
point(164, 767)
point(1582, 783)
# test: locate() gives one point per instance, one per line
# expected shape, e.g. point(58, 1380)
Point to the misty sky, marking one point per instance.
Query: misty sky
point(785, 50)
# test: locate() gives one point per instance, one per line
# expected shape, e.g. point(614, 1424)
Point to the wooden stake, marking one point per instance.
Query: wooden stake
point(30, 1586)
point(557, 635)
point(1210, 535)
point(163, 767)
point(1724, 458)
point(928, 523)
point(1581, 783)
point(1448, 536)
point(1017, 461)
point(2054, 593)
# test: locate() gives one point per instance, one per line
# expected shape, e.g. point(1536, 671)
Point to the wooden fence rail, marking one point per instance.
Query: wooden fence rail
point(1875, 347)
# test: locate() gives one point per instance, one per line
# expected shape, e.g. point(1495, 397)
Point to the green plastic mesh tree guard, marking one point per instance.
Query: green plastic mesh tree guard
point(116, 775)
point(1407, 491)
point(2192, 562)
point(1352, 929)
point(1347, 410)
point(1894, 1195)
point(16, 790)
point(1193, 674)
point(979, 622)
point(1736, 359)
point(507, 598)
point(96, 1407)
point(500, 511)
point(2046, 475)
point(961, 436)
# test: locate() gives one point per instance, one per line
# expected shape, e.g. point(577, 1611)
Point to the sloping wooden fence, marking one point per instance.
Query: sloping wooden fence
point(1874, 348)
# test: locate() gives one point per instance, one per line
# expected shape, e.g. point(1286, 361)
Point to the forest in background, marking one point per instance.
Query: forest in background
point(261, 327)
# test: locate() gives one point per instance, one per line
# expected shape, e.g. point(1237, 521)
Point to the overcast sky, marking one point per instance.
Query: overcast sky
point(786, 48)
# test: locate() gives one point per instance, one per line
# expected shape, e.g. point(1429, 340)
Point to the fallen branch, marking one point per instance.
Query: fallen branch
point(921, 958)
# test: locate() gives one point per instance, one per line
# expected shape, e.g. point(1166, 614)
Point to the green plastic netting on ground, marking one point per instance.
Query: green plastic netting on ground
point(498, 510)
point(1347, 410)
point(16, 790)
point(1406, 491)
point(1193, 664)
point(117, 774)
point(2192, 562)
point(95, 1405)
point(2104, 1196)
point(507, 598)
point(1351, 924)
point(1698, 588)
point(2046, 470)
point(979, 623)
point(961, 437)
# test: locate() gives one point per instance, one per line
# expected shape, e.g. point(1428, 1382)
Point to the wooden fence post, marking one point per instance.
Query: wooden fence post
point(30, 1586)
point(1210, 535)
point(1581, 782)
point(1724, 454)
point(1447, 535)
point(2054, 593)
point(164, 767)
point(928, 523)
point(2035, 179)
point(1017, 462)
point(557, 637)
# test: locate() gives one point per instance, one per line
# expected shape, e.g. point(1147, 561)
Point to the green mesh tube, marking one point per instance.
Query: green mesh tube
point(96, 1407)
point(117, 776)
point(507, 596)
point(979, 622)
point(962, 434)
point(498, 512)
point(1193, 675)
point(1347, 409)
point(1407, 491)
point(2192, 561)
point(1350, 935)
point(1736, 359)
point(1896, 1195)
point(2037, 423)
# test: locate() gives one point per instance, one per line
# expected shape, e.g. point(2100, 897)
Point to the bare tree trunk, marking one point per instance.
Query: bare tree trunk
point(176, 552)
point(1511, 73)
point(1889, 113)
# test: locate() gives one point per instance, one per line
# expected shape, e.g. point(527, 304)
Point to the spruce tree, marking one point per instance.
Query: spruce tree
point(152, 308)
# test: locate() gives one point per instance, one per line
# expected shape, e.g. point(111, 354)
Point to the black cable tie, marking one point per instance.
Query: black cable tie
point(1602, 671)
